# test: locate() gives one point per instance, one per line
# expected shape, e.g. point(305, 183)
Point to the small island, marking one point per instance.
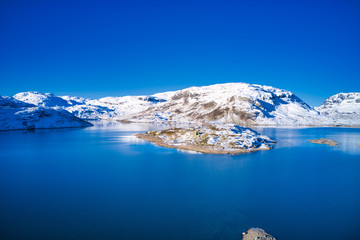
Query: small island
point(215, 139)
point(324, 141)
point(257, 234)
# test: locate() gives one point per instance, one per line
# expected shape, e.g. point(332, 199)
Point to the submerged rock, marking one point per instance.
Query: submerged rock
point(257, 234)
point(216, 139)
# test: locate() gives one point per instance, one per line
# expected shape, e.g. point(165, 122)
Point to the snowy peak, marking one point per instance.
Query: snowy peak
point(263, 97)
point(342, 102)
point(41, 99)
point(344, 108)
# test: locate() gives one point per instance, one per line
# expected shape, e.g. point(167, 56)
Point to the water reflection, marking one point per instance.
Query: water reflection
point(348, 138)
point(129, 139)
point(348, 142)
point(62, 182)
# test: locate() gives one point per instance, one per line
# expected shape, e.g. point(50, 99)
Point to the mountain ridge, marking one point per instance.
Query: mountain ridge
point(239, 103)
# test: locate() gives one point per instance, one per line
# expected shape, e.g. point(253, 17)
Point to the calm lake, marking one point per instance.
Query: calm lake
point(102, 183)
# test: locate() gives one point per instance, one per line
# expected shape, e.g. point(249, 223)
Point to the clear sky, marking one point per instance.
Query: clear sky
point(114, 48)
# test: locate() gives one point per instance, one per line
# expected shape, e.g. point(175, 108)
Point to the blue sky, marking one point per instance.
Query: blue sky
point(101, 48)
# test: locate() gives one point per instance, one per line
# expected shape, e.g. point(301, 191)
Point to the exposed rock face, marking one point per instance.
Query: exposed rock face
point(15, 114)
point(344, 108)
point(219, 139)
point(237, 103)
point(257, 234)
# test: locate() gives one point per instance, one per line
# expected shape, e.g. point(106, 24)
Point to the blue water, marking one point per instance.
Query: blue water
point(100, 183)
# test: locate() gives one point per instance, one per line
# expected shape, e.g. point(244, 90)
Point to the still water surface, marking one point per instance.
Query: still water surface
point(101, 183)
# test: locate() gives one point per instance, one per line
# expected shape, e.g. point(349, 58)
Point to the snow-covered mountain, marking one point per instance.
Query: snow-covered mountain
point(15, 114)
point(344, 108)
point(114, 108)
point(121, 108)
point(41, 99)
point(238, 103)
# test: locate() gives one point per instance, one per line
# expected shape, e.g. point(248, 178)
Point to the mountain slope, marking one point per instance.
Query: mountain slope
point(41, 99)
point(6, 101)
point(115, 108)
point(344, 108)
point(15, 114)
point(238, 103)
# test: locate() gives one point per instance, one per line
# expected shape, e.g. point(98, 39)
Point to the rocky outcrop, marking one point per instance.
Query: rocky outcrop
point(257, 234)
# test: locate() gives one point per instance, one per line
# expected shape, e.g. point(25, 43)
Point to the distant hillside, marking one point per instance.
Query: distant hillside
point(344, 108)
point(15, 114)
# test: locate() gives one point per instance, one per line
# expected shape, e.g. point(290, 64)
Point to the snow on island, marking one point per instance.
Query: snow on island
point(216, 139)
point(15, 114)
